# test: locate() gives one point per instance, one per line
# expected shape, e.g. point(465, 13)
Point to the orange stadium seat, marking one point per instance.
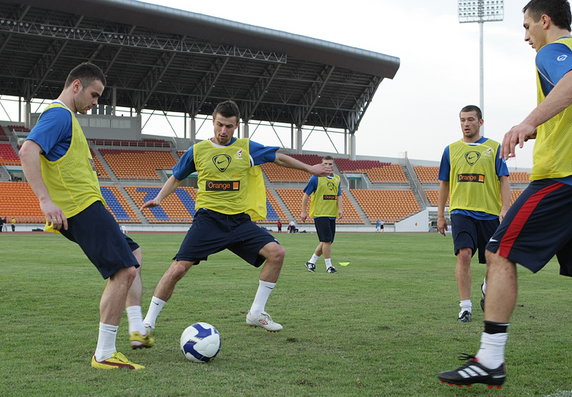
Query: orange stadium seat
point(514, 194)
point(275, 173)
point(388, 205)
point(178, 207)
point(392, 173)
point(427, 174)
point(519, 177)
point(17, 200)
point(137, 164)
point(348, 165)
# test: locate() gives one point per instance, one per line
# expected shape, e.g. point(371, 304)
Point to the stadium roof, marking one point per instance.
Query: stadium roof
point(166, 59)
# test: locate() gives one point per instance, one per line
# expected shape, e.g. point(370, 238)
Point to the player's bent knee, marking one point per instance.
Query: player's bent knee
point(179, 269)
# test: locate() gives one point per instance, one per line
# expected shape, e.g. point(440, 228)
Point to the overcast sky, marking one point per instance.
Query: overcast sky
point(417, 111)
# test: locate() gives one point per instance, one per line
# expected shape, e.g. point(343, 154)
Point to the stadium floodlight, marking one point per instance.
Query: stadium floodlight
point(481, 11)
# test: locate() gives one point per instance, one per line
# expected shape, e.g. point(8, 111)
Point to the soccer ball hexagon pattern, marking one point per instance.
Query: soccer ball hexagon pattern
point(200, 342)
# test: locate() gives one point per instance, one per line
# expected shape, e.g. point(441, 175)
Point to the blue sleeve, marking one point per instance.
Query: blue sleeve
point(553, 61)
point(445, 166)
point(311, 186)
point(340, 190)
point(502, 169)
point(262, 154)
point(53, 132)
point(185, 166)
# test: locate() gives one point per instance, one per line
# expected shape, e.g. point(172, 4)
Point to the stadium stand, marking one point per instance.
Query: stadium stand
point(137, 164)
point(514, 194)
point(274, 211)
point(3, 135)
point(433, 196)
point(275, 173)
point(392, 173)
point(99, 168)
point(178, 207)
point(7, 155)
point(519, 177)
point(389, 205)
point(347, 165)
point(130, 143)
point(118, 205)
point(17, 200)
point(427, 174)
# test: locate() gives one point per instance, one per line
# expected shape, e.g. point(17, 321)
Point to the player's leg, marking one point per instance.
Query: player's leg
point(164, 290)
point(311, 263)
point(274, 258)
point(464, 280)
point(138, 335)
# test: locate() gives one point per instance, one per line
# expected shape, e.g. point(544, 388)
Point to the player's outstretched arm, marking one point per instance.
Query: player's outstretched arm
point(442, 201)
point(169, 187)
point(284, 160)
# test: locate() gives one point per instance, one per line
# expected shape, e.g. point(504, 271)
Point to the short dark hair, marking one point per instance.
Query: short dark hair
point(557, 10)
point(473, 108)
point(227, 109)
point(87, 73)
point(327, 157)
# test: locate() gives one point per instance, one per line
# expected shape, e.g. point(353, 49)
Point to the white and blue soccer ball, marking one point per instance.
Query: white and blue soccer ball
point(200, 342)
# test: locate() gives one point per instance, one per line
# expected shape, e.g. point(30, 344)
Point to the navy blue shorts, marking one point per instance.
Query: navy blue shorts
point(326, 229)
point(538, 226)
point(99, 236)
point(472, 233)
point(213, 232)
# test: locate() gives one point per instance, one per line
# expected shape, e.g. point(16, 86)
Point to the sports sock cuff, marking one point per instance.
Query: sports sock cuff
point(492, 327)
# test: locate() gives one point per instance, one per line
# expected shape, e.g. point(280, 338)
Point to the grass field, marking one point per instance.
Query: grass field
point(383, 326)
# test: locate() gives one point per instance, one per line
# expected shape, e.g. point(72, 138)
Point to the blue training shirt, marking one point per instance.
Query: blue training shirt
point(53, 132)
point(445, 169)
point(259, 154)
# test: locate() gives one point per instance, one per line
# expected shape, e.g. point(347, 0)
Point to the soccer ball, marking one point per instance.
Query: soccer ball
point(200, 342)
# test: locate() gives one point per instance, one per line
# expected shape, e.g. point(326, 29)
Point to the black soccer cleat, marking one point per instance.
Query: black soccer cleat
point(473, 372)
point(311, 266)
point(465, 317)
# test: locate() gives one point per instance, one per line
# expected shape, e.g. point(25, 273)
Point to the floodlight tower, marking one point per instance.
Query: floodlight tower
point(481, 11)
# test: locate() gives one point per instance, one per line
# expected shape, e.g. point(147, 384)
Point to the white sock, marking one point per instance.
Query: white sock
point(328, 262)
point(155, 308)
point(135, 319)
point(262, 295)
point(313, 259)
point(491, 353)
point(466, 305)
point(106, 341)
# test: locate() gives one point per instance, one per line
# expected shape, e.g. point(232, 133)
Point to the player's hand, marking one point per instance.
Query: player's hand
point(516, 136)
point(150, 204)
point(340, 214)
point(303, 216)
point(442, 225)
point(320, 170)
point(54, 215)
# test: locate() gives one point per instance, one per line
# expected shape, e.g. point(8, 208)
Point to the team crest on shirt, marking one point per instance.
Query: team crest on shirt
point(222, 161)
point(331, 186)
point(561, 58)
point(238, 155)
point(472, 157)
point(489, 152)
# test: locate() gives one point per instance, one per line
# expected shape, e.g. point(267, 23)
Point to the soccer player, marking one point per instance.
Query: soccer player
point(58, 166)
point(476, 179)
point(230, 195)
point(325, 207)
point(539, 223)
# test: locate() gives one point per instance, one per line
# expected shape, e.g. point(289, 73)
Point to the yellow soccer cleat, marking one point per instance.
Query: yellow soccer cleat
point(139, 341)
point(117, 360)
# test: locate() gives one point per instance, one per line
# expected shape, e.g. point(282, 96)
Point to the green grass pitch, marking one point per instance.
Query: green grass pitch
point(383, 326)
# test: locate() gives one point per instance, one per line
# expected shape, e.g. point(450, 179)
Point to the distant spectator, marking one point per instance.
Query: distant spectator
point(279, 226)
point(2, 222)
point(13, 224)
